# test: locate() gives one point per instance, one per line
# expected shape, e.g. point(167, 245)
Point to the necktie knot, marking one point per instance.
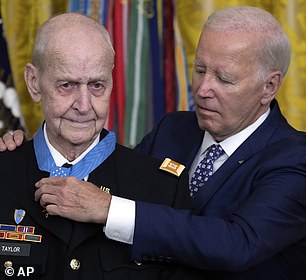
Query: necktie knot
point(214, 152)
point(204, 169)
point(63, 170)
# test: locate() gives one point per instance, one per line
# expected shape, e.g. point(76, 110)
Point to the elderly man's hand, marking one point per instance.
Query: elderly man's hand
point(71, 198)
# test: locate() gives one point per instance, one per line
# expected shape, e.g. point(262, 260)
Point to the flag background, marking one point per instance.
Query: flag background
point(155, 42)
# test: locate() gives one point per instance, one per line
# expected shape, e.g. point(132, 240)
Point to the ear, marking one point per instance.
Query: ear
point(31, 78)
point(271, 87)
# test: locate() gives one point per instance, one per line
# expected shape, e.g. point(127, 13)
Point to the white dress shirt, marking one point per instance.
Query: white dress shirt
point(229, 145)
point(121, 217)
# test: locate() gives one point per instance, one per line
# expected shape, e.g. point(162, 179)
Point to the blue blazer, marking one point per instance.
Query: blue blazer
point(249, 222)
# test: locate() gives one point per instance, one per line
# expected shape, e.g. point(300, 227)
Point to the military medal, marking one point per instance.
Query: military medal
point(19, 232)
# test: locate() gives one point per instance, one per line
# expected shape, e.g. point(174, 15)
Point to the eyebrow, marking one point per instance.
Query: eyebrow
point(197, 62)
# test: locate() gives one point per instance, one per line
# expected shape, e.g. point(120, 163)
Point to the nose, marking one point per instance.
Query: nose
point(82, 102)
point(205, 85)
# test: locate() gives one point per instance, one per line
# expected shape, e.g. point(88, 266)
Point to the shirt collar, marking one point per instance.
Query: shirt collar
point(59, 159)
point(230, 144)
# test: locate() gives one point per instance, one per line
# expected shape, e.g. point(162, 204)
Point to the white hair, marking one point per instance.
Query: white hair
point(274, 51)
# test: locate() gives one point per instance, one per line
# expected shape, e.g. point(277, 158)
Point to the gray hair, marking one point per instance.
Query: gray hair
point(49, 28)
point(274, 52)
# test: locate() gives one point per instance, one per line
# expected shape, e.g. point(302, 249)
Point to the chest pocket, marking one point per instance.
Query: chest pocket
point(22, 259)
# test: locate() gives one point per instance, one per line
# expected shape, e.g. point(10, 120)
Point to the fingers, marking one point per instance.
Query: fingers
point(55, 181)
point(43, 192)
point(47, 199)
point(73, 199)
point(52, 195)
point(3, 147)
point(7, 142)
point(19, 137)
point(11, 140)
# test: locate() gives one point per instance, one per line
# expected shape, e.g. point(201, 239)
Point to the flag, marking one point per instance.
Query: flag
point(138, 69)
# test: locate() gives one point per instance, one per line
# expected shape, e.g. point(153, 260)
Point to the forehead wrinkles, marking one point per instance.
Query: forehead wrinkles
point(80, 68)
point(227, 47)
point(80, 43)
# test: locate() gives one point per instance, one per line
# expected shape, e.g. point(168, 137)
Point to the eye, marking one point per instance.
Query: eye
point(96, 87)
point(224, 80)
point(67, 85)
point(200, 69)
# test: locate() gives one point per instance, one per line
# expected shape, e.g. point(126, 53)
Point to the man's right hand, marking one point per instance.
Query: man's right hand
point(11, 140)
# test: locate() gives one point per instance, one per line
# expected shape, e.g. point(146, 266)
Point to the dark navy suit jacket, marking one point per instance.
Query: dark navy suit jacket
point(249, 222)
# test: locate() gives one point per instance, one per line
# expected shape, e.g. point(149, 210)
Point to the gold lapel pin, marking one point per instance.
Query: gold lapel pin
point(172, 166)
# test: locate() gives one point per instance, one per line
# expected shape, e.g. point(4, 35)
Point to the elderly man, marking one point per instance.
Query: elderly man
point(71, 75)
point(247, 165)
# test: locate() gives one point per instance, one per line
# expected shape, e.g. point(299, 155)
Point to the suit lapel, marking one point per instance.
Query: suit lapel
point(61, 228)
point(252, 145)
point(219, 177)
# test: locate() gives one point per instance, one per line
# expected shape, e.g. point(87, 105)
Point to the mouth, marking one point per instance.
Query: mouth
point(80, 124)
point(204, 110)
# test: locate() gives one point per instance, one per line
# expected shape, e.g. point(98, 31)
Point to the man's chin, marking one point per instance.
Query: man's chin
point(80, 138)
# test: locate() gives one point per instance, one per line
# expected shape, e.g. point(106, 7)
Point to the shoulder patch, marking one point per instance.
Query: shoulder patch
point(172, 167)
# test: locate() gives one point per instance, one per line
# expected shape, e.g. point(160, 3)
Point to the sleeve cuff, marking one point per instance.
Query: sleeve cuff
point(121, 220)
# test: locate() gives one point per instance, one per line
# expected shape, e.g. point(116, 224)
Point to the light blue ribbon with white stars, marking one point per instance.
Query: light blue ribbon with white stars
point(81, 169)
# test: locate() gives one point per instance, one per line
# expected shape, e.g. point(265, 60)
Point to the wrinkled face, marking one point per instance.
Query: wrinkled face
point(75, 86)
point(227, 90)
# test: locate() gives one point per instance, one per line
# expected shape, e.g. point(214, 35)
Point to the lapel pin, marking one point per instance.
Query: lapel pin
point(19, 215)
point(172, 167)
point(105, 189)
point(46, 213)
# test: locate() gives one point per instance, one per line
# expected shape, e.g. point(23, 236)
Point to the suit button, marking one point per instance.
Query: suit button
point(8, 264)
point(75, 264)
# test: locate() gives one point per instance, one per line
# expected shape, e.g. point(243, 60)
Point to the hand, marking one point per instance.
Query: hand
point(11, 140)
point(71, 198)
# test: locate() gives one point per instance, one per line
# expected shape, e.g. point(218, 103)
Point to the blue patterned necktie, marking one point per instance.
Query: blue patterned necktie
point(204, 169)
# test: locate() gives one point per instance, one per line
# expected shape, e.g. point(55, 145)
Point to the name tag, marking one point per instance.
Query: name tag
point(14, 249)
